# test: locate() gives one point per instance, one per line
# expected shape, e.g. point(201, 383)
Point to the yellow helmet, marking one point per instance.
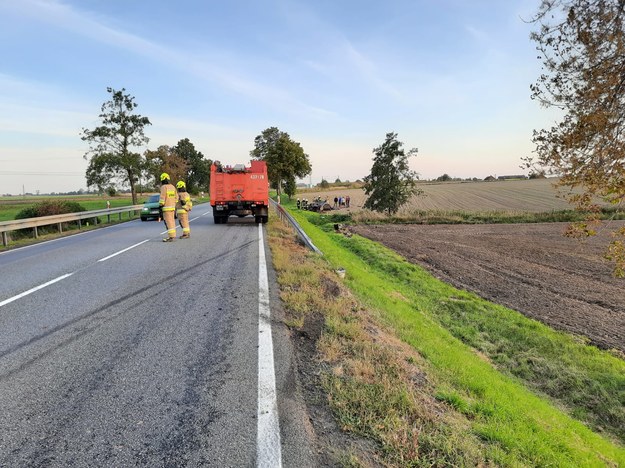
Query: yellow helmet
point(164, 176)
point(181, 184)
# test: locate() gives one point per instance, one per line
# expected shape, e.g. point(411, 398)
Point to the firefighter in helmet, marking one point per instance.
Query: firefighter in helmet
point(182, 209)
point(167, 202)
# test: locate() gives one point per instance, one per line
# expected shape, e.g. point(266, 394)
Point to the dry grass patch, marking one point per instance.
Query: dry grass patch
point(376, 386)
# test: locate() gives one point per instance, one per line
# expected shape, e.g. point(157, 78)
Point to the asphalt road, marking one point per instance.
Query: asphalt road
point(117, 349)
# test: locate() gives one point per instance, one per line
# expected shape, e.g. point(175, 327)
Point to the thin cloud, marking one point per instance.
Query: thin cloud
point(84, 24)
point(341, 56)
point(368, 70)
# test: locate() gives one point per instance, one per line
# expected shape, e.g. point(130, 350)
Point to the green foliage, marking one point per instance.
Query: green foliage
point(110, 143)
point(165, 159)
point(49, 208)
point(324, 184)
point(444, 178)
point(197, 176)
point(289, 187)
point(111, 191)
point(285, 158)
point(391, 182)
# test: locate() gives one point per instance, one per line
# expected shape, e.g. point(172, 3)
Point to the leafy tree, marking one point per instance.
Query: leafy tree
point(582, 46)
point(324, 184)
point(285, 158)
point(110, 144)
point(289, 187)
point(198, 169)
point(165, 159)
point(443, 178)
point(391, 182)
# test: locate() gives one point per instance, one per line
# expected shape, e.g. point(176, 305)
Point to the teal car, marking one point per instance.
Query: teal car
point(150, 208)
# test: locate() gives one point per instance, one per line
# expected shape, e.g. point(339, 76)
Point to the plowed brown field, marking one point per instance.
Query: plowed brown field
point(531, 268)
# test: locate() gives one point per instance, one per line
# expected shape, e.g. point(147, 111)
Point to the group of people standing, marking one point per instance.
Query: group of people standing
point(341, 202)
point(175, 200)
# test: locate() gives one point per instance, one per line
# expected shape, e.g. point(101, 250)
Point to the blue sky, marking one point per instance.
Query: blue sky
point(451, 77)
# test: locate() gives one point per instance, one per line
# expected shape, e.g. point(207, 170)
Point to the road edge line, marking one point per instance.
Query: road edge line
point(269, 451)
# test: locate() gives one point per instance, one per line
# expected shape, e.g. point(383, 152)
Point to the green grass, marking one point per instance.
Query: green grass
point(484, 217)
point(502, 388)
point(8, 213)
point(367, 374)
point(10, 208)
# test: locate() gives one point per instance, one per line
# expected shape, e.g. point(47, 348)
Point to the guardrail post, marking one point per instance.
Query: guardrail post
point(36, 232)
point(60, 227)
point(5, 239)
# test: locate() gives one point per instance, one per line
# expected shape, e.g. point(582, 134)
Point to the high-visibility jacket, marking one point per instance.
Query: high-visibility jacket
point(184, 202)
point(168, 198)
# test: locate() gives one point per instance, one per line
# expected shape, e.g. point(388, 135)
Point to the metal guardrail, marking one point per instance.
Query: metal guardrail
point(285, 216)
point(8, 226)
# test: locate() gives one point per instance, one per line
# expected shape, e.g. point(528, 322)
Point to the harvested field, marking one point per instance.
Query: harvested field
point(537, 195)
point(531, 268)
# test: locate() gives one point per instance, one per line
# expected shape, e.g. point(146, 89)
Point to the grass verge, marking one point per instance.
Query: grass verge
point(377, 386)
point(472, 365)
point(482, 217)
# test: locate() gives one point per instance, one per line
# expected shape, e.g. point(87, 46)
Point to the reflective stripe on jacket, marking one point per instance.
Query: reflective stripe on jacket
point(184, 202)
point(168, 198)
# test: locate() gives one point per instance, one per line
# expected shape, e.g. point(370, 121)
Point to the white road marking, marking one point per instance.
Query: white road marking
point(122, 251)
point(36, 288)
point(64, 238)
point(26, 293)
point(268, 451)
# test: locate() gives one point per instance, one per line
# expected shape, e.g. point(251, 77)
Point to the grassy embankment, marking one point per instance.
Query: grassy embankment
point(514, 390)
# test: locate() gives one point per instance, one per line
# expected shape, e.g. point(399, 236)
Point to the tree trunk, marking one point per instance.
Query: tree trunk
point(133, 190)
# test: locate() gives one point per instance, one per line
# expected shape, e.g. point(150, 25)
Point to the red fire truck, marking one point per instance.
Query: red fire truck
point(239, 190)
